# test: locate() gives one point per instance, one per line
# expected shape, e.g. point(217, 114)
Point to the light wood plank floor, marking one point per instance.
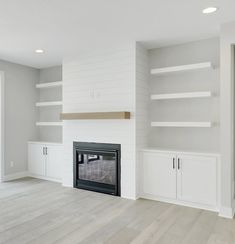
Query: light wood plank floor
point(36, 211)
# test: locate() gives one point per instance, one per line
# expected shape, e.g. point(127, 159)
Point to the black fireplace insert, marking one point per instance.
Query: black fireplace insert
point(96, 167)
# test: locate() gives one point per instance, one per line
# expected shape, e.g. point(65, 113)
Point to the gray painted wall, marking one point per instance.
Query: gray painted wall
point(51, 74)
point(227, 40)
point(20, 113)
point(51, 134)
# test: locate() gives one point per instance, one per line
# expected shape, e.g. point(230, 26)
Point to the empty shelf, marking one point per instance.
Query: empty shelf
point(180, 68)
point(181, 95)
point(181, 124)
point(49, 123)
point(44, 104)
point(49, 84)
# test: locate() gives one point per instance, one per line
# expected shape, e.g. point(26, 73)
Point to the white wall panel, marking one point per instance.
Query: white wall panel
point(102, 82)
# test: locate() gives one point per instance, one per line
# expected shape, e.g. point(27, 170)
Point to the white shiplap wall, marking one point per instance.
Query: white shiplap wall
point(102, 81)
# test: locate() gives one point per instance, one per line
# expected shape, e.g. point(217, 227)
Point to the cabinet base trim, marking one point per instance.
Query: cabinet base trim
point(182, 203)
point(44, 178)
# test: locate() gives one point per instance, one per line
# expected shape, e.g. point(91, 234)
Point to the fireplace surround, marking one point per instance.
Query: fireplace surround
point(96, 167)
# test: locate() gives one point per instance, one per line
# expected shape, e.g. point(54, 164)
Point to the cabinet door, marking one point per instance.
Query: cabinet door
point(54, 161)
point(36, 159)
point(196, 179)
point(159, 174)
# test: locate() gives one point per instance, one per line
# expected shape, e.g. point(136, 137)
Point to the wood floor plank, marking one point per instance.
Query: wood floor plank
point(100, 220)
point(34, 211)
point(223, 232)
point(180, 228)
point(202, 228)
point(159, 226)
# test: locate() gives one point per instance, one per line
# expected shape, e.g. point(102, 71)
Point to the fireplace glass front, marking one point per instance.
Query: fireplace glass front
point(97, 167)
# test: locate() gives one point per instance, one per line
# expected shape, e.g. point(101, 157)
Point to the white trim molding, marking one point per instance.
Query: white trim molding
point(2, 131)
point(180, 202)
point(226, 212)
point(227, 40)
point(44, 178)
point(233, 208)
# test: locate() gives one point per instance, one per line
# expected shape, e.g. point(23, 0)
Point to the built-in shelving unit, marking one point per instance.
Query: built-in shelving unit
point(200, 94)
point(49, 84)
point(45, 104)
point(49, 123)
point(179, 119)
point(182, 124)
point(184, 95)
point(184, 132)
point(181, 68)
point(50, 116)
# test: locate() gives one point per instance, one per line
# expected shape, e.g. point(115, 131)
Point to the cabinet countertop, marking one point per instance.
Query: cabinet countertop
point(46, 143)
point(175, 151)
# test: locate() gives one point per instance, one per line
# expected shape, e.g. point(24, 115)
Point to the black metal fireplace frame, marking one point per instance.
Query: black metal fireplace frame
point(102, 149)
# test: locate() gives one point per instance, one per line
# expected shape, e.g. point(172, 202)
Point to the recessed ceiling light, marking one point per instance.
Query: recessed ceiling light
point(209, 10)
point(39, 51)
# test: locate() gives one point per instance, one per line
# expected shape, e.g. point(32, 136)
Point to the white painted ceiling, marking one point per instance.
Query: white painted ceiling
point(68, 27)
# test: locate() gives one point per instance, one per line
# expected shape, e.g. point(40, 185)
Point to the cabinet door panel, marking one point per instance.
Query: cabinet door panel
point(159, 176)
point(54, 162)
point(196, 179)
point(36, 159)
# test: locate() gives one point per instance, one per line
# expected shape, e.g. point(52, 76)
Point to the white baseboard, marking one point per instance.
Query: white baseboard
point(15, 176)
point(130, 198)
point(226, 212)
point(180, 202)
point(233, 208)
point(45, 178)
point(27, 174)
point(67, 185)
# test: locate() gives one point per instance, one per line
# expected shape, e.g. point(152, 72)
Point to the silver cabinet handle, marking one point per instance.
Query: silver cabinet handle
point(46, 150)
point(178, 163)
point(173, 163)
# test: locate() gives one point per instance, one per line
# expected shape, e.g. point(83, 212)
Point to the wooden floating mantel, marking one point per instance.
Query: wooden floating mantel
point(95, 115)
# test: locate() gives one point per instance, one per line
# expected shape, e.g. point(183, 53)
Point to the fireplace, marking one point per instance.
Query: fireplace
point(96, 167)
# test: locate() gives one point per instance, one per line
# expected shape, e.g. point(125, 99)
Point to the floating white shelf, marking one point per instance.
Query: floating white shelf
point(181, 68)
point(49, 84)
point(44, 104)
point(181, 124)
point(49, 123)
point(181, 95)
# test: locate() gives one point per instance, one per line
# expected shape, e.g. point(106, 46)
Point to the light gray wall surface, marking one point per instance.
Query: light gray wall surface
point(47, 114)
point(198, 109)
point(51, 74)
point(20, 113)
point(227, 40)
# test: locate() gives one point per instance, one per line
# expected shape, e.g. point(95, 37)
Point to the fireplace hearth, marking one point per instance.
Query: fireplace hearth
point(97, 167)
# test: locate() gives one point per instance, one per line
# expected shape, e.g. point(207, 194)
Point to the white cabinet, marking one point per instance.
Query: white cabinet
point(36, 159)
point(196, 179)
point(53, 162)
point(45, 160)
point(183, 178)
point(162, 181)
